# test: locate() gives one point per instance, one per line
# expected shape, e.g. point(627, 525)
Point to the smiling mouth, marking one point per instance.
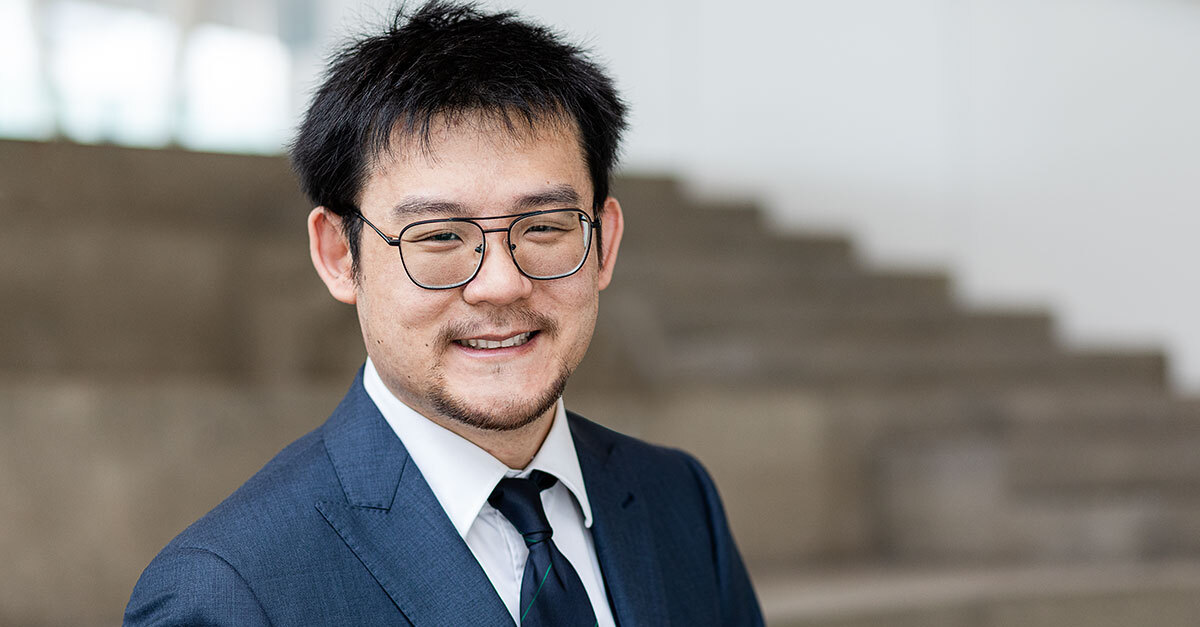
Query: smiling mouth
point(508, 342)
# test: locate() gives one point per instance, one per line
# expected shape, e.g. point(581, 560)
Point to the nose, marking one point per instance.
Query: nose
point(498, 281)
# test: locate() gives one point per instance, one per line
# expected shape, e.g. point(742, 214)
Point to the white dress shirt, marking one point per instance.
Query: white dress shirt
point(462, 477)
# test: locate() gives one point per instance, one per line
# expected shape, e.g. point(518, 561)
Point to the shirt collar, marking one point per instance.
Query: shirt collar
point(558, 457)
point(462, 475)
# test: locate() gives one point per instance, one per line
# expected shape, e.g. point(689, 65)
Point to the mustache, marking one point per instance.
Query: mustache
point(521, 318)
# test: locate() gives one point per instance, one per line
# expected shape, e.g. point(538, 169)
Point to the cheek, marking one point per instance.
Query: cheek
point(579, 306)
point(400, 317)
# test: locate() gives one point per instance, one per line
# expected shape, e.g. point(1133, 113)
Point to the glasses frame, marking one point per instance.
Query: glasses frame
point(593, 224)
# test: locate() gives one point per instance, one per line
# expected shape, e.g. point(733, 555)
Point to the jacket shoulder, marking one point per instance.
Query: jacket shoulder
point(212, 573)
point(687, 519)
point(272, 498)
point(639, 456)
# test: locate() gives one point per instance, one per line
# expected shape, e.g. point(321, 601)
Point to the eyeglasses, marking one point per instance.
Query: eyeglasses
point(446, 253)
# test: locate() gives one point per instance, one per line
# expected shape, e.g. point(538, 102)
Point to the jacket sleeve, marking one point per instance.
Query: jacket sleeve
point(739, 605)
point(192, 586)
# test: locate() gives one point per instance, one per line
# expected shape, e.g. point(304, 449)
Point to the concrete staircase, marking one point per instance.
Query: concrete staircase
point(886, 457)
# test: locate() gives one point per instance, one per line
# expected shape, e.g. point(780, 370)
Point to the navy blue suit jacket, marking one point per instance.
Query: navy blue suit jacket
point(340, 528)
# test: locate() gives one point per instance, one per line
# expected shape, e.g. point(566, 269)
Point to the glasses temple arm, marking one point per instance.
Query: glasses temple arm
point(394, 241)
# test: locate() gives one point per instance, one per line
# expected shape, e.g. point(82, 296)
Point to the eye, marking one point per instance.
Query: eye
point(437, 235)
point(438, 239)
point(546, 226)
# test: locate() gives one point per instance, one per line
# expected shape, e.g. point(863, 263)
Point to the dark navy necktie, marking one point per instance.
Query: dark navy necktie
point(551, 591)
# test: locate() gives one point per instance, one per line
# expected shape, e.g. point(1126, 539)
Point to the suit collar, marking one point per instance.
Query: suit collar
point(460, 474)
point(620, 527)
point(395, 526)
point(368, 458)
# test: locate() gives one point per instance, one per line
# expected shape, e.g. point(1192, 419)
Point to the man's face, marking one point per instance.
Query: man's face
point(426, 343)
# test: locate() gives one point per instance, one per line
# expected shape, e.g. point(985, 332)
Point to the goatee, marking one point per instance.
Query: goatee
point(508, 415)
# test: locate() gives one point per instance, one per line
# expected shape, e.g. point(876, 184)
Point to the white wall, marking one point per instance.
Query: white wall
point(1047, 150)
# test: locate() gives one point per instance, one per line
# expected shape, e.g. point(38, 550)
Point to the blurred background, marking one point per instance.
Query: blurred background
point(927, 314)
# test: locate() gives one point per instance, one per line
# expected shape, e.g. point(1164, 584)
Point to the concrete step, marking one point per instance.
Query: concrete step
point(661, 202)
point(1084, 595)
point(915, 472)
point(656, 210)
point(92, 299)
point(1152, 449)
point(1063, 445)
point(681, 221)
point(70, 186)
point(1114, 410)
point(121, 299)
point(914, 366)
point(663, 198)
point(761, 259)
point(724, 302)
point(948, 499)
point(864, 327)
point(651, 191)
point(1049, 484)
point(97, 477)
point(708, 282)
point(638, 343)
point(1071, 526)
point(1005, 413)
point(725, 230)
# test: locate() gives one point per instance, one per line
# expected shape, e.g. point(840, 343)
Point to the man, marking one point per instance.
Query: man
point(460, 163)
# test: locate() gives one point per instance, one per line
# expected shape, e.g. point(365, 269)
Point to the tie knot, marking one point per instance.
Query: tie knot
point(520, 500)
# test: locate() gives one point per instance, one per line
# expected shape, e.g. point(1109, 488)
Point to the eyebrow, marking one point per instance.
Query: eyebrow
point(562, 195)
point(419, 205)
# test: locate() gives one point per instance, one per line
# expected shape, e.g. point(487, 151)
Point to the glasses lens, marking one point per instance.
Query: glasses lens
point(441, 254)
point(551, 245)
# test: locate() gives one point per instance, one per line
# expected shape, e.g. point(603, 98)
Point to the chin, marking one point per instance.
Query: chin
point(507, 413)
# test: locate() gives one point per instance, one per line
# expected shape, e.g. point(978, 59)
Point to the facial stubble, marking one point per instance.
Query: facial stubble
point(513, 413)
point(510, 416)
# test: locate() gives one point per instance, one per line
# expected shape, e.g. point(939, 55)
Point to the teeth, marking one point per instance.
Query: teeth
point(515, 340)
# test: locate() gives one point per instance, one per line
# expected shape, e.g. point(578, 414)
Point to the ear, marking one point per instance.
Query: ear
point(331, 254)
point(612, 226)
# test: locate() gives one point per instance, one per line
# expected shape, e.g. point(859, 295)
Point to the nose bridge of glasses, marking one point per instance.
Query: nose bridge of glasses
point(487, 270)
point(483, 245)
point(482, 248)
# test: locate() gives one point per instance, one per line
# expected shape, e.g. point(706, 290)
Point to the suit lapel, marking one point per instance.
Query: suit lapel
point(395, 525)
point(620, 528)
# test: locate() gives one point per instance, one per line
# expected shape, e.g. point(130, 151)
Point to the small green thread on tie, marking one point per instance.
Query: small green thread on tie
point(535, 593)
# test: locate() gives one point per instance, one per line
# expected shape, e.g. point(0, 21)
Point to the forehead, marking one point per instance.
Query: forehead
point(477, 160)
point(502, 131)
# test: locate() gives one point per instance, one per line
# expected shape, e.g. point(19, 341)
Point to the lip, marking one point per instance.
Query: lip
point(496, 337)
point(507, 351)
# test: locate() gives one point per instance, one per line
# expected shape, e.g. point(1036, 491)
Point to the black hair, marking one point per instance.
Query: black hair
point(448, 60)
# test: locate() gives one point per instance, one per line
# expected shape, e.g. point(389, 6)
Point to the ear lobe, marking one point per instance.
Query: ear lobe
point(331, 254)
point(612, 226)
